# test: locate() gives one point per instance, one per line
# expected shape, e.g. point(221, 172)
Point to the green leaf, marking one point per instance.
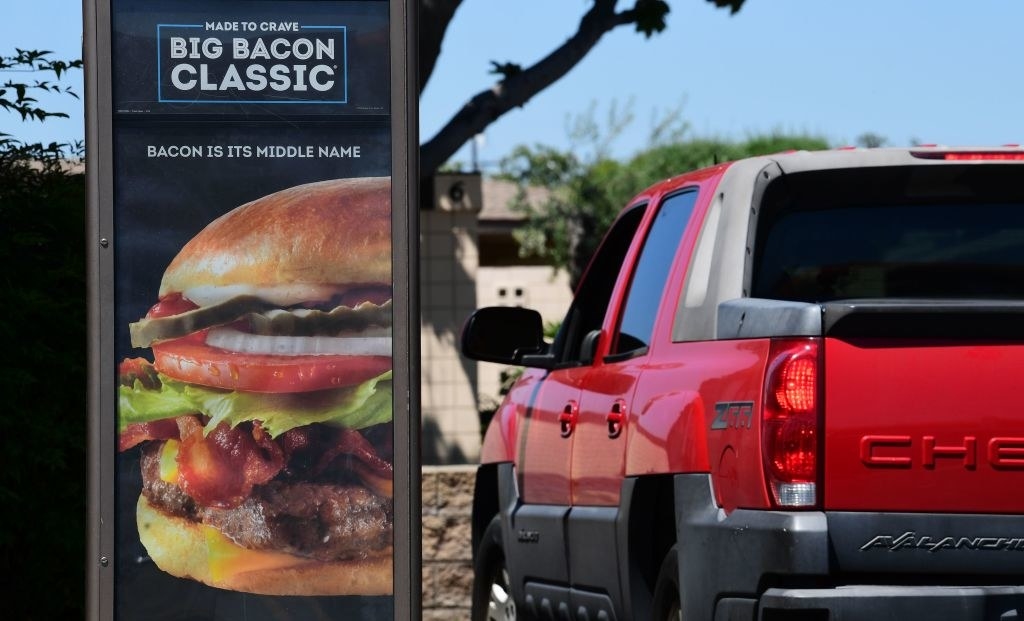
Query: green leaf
point(733, 5)
point(356, 407)
point(650, 16)
point(34, 61)
point(505, 70)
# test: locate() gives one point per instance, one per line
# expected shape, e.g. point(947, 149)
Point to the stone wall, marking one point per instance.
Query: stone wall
point(446, 547)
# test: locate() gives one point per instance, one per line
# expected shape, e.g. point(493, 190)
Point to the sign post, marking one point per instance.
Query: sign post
point(253, 315)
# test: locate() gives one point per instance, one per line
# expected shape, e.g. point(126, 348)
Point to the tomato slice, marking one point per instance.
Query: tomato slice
point(195, 362)
point(171, 304)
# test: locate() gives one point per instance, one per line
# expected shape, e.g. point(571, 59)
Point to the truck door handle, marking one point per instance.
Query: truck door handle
point(616, 418)
point(567, 419)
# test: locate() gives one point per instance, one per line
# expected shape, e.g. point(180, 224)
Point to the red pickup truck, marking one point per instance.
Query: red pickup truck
point(785, 390)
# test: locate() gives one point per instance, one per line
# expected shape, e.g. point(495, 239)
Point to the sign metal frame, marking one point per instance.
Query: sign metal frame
point(102, 245)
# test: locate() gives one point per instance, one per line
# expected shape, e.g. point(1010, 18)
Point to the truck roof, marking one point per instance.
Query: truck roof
point(855, 157)
point(722, 256)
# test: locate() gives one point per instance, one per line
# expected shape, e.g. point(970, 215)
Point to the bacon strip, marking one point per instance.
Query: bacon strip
point(137, 369)
point(136, 433)
point(221, 468)
point(375, 472)
point(350, 442)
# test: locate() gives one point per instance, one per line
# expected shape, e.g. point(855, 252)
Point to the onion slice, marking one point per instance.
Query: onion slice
point(245, 342)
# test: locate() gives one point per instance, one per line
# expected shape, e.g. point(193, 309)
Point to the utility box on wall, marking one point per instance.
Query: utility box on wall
point(456, 192)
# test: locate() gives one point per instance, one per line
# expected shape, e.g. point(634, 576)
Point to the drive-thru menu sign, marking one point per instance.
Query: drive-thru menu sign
point(251, 404)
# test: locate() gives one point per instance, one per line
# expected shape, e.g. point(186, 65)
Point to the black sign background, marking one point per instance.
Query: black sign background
point(142, 32)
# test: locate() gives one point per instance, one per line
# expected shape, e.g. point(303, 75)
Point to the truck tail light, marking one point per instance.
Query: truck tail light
point(791, 412)
point(971, 156)
point(985, 156)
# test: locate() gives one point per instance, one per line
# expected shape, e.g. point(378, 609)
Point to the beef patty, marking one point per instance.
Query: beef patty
point(320, 520)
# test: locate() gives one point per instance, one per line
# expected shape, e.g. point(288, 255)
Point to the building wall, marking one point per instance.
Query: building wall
point(452, 285)
point(448, 274)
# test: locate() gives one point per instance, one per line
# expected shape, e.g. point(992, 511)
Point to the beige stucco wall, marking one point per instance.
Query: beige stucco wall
point(448, 273)
point(453, 285)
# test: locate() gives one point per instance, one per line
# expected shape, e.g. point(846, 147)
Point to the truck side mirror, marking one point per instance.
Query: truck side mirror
point(589, 347)
point(504, 334)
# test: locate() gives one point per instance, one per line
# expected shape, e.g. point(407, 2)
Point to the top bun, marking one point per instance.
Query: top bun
point(329, 232)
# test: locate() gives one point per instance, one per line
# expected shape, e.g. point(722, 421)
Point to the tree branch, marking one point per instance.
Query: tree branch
point(435, 15)
point(485, 107)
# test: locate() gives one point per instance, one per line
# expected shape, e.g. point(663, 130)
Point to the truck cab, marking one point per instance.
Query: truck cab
point(783, 390)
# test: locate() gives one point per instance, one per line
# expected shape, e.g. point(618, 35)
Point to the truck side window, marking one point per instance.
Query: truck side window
point(651, 273)
point(595, 291)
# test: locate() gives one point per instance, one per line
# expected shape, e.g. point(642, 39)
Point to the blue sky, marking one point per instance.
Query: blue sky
point(934, 71)
point(54, 25)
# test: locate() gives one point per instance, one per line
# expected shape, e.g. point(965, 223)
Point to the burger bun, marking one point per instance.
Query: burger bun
point(329, 232)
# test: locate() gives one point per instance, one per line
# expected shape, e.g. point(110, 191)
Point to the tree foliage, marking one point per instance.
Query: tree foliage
point(585, 196)
point(18, 96)
point(871, 140)
point(518, 84)
point(43, 464)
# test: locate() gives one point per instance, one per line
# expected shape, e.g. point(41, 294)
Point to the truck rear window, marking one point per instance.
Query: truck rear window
point(910, 232)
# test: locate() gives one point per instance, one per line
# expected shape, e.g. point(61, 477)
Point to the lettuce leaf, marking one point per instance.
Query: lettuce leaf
point(355, 407)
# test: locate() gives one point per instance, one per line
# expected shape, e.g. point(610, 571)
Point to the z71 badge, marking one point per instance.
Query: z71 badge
point(733, 415)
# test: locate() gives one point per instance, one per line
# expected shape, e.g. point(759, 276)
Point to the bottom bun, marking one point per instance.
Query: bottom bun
point(189, 549)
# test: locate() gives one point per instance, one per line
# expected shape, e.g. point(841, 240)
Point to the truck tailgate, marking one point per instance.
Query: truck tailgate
point(923, 425)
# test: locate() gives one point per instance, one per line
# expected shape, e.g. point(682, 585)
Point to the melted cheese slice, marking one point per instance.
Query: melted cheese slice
point(226, 558)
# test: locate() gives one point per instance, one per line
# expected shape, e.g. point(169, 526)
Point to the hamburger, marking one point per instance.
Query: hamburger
point(263, 419)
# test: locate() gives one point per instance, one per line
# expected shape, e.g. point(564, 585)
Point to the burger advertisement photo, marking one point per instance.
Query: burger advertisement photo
point(253, 317)
point(263, 419)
